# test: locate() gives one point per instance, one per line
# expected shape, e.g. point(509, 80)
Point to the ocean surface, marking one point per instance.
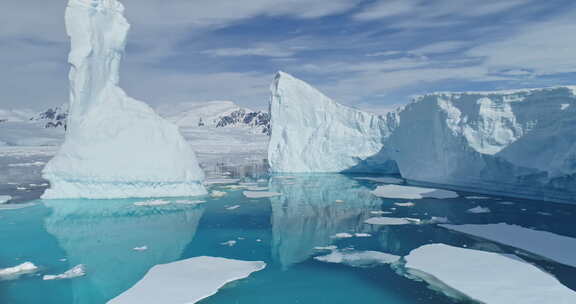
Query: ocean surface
point(284, 231)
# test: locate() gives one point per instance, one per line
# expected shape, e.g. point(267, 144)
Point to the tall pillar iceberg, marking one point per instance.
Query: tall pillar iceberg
point(313, 133)
point(115, 146)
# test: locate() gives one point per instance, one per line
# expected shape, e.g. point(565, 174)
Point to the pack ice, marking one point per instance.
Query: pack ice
point(115, 146)
point(509, 142)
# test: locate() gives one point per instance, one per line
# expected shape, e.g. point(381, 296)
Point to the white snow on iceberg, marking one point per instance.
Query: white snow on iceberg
point(542, 243)
point(187, 281)
point(485, 276)
point(312, 133)
point(115, 146)
point(408, 192)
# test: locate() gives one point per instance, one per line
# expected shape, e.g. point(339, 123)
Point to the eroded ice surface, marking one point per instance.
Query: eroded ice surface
point(115, 146)
point(187, 281)
point(408, 192)
point(552, 246)
point(485, 276)
point(312, 133)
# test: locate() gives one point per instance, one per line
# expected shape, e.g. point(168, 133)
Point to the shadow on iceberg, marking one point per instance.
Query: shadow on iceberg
point(103, 235)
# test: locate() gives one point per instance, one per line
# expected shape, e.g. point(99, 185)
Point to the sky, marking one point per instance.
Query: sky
point(371, 54)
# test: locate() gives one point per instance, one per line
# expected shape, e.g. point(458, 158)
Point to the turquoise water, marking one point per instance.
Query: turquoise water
point(282, 231)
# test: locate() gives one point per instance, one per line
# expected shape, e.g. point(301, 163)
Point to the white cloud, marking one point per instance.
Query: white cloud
point(441, 47)
point(388, 8)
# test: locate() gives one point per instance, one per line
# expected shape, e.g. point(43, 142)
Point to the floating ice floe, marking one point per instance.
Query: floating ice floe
point(254, 188)
point(260, 194)
point(331, 247)
point(15, 206)
point(361, 235)
point(479, 209)
point(342, 235)
point(233, 207)
point(187, 281)
point(485, 276)
point(220, 181)
point(4, 199)
point(380, 212)
point(13, 273)
point(391, 221)
point(507, 203)
point(142, 248)
point(478, 197)
point(76, 272)
point(217, 194)
point(189, 202)
point(152, 203)
point(408, 204)
point(384, 180)
point(358, 258)
point(339, 201)
point(548, 245)
point(407, 192)
point(230, 243)
point(33, 164)
point(437, 220)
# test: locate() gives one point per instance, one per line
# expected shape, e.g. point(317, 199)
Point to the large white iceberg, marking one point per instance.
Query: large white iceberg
point(312, 133)
point(115, 146)
point(509, 142)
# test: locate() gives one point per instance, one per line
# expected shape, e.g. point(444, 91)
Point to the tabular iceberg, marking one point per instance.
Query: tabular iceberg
point(509, 142)
point(312, 133)
point(115, 146)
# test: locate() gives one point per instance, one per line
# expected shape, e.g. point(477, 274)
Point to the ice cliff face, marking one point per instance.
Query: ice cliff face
point(513, 142)
point(509, 142)
point(312, 133)
point(115, 146)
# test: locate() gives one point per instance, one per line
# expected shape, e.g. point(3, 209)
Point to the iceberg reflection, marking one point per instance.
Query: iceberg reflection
point(103, 235)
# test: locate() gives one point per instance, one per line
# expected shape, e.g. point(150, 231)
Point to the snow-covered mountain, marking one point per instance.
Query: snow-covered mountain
point(216, 114)
point(53, 117)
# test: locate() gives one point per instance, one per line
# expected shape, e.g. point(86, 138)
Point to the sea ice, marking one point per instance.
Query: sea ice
point(13, 273)
point(76, 272)
point(217, 194)
point(544, 244)
point(189, 202)
point(230, 243)
point(391, 221)
point(32, 164)
point(342, 235)
point(408, 192)
point(358, 258)
point(260, 194)
point(142, 248)
point(479, 209)
point(485, 276)
point(220, 181)
point(408, 204)
point(115, 146)
point(4, 199)
point(362, 235)
point(233, 207)
point(257, 188)
point(379, 212)
point(187, 281)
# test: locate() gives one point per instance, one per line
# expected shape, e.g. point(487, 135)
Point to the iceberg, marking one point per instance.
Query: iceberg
point(115, 146)
point(75, 272)
point(485, 277)
point(358, 258)
point(517, 143)
point(187, 281)
point(312, 133)
point(13, 273)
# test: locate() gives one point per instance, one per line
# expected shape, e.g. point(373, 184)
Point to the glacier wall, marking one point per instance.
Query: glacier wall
point(115, 146)
point(509, 142)
point(312, 133)
point(519, 143)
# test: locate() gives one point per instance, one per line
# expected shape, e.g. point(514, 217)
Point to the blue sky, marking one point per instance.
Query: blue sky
point(372, 54)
